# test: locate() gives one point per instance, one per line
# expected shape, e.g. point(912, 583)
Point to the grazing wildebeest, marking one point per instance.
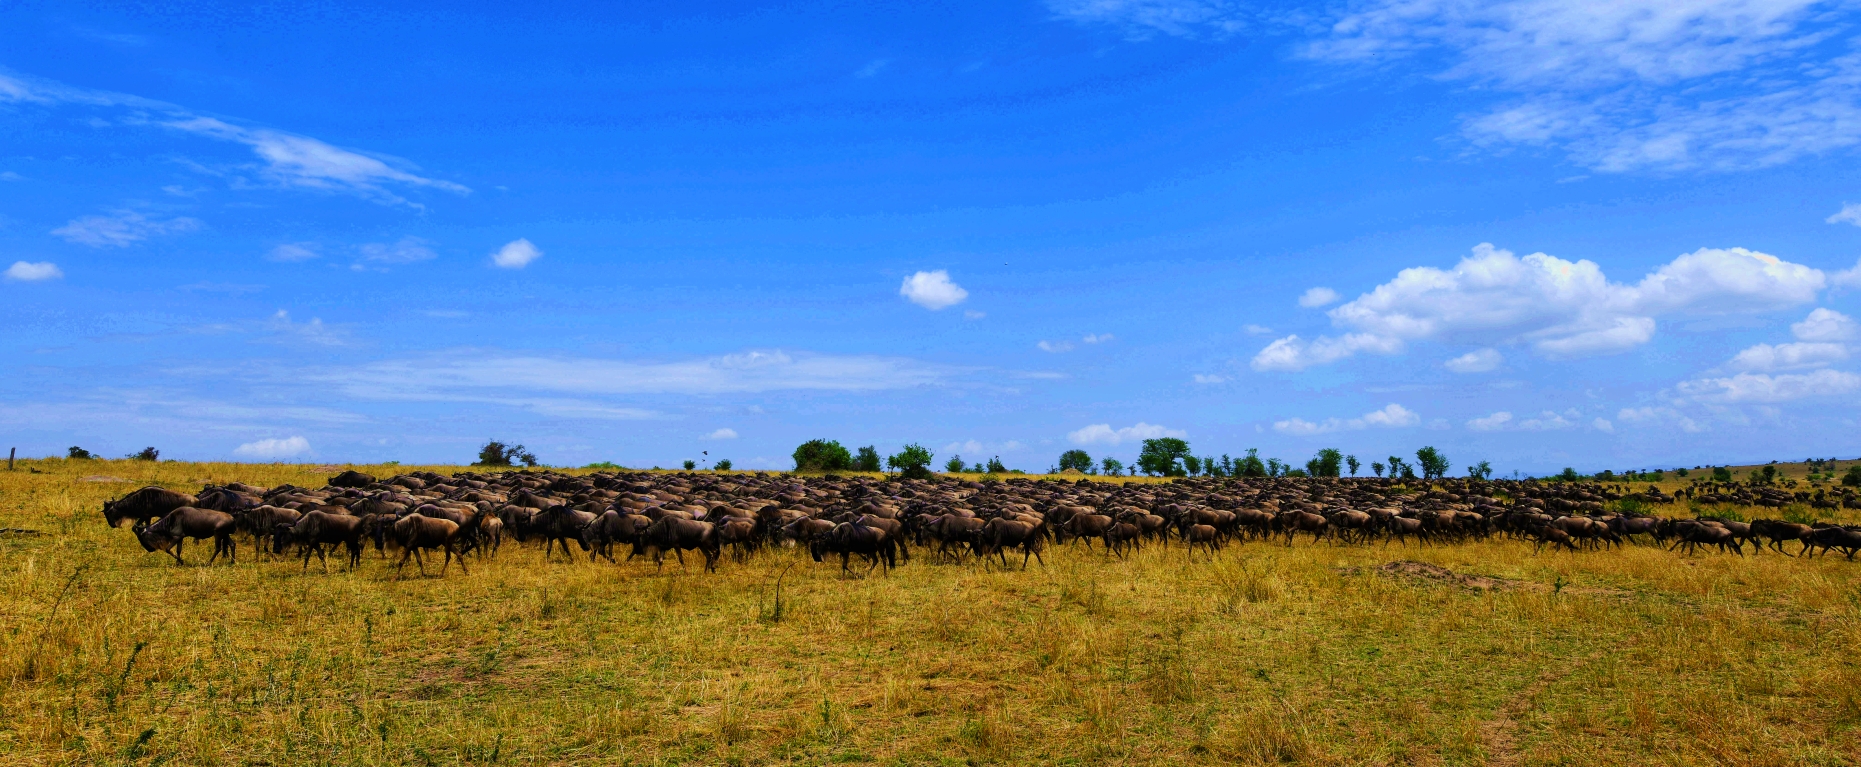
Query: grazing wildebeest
point(318, 529)
point(149, 503)
point(174, 528)
point(1205, 536)
point(262, 522)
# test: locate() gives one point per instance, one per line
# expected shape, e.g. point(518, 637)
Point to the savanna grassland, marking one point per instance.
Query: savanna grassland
point(1475, 653)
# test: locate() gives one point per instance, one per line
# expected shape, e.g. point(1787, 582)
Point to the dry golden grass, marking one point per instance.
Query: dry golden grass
point(1265, 655)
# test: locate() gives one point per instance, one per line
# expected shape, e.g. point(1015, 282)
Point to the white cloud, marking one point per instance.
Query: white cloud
point(1293, 353)
point(1317, 297)
point(1144, 19)
point(1495, 422)
point(971, 314)
point(293, 251)
point(1392, 416)
point(1103, 433)
point(1550, 421)
point(1826, 325)
point(724, 433)
point(932, 290)
point(516, 254)
point(1054, 347)
point(284, 158)
point(312, 332)
point(1203, 378)
point(1797, 356)
point(1764, 388)
point(1631, 84)
point(1849, 214)
point(300, 161)
point(273, 449)
point(1256, 330)
point(1097, 338)
point(31, 271)
point(1561, 308)
point(1603, 425)
point(121, 228)
point(406, 250)
point(1476, 361)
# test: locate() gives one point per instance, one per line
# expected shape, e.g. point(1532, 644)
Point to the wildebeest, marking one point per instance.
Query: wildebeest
point(174, 528)
point(849, 538)
point(415, 533)
point(612, 527)
point(143, 505)
point(317, 529)
point(678, 535)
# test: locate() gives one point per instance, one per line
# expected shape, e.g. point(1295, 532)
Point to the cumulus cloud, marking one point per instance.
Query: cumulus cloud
point(1826, 325)
point(406, 250)
point(1293, 353)
point(1392, 416)
point(1494, 422)
point(1476, 361)
point(1317, 297)
point(1761, 388)
point(932, 290)
point(33, 271)
point(1560, 308)
point(1603, 425)
point(273, 449)
point(724, 433)
point(1104, 434)
point(1849, 214)
point(121, 228)
point(1797, 356)
point(516, 254)
point(1628, 85)
point(293, 251)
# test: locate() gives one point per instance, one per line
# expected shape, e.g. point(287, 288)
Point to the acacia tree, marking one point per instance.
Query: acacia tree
point(78, 453)
point(1113, 466)
point(146, 454)
point(1164, 456)
point(995, 466)
point(1377, 466)
point(1351, 461)
point(954, 465)
point(1325, 464)
point(1434, 464)
point(822, 455)
point(1251, 466)
point(1481, 470)
point(913, 462)
point(867, 459)
point(1077, 460)
point(496, 453)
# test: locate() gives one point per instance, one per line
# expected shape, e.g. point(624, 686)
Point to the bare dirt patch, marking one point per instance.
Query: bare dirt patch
point(103, 478)
point(1422, 571)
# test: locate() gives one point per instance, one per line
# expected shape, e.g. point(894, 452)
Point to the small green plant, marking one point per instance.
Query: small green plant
point(722, 465)
point(146, 454)
point(79, 454)
point(913, 462)
point(496, 453)
point(690, 465)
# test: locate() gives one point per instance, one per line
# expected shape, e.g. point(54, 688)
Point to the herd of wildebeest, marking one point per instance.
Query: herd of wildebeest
point(882, 520)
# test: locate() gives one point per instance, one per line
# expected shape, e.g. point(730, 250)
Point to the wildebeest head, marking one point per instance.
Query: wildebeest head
point(153, 540)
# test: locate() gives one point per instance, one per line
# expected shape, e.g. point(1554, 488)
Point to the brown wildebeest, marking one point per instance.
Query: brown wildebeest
point(1205, 536)
point(147, 504)
point(1292, 522)
point(263, 521)
point(997, 535)
point(737, 532)
point(415, 533)
point(1123, 535)
point(952, 530)
point(1777, 532)
point(613, 527)
point(560, 524)
point(893, 528)
point(1083, 527)
point(678, 535)
point(174, 528)
point(1848, 539)
point(317, 529)
point(806, 529)
point(849, 538)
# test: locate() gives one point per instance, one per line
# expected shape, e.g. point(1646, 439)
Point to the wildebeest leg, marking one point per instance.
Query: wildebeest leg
point(680, 551)
point(355, 554)
point(322, 558)
point(405, 553)
point(711, 555)
point(420, 559)
point(176, 551)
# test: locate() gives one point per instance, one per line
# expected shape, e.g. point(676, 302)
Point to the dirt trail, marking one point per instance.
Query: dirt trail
point(1499, 733)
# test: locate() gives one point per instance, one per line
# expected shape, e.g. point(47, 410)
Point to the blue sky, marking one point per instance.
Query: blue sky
point(1523, 231)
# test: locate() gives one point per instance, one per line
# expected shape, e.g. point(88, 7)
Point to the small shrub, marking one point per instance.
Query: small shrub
point(822, 455)
point(689, 465)
point(723, 465)
point(147, 454)
point(79, 454)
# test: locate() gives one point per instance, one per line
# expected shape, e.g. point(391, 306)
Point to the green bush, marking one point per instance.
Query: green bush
point(1853, 477)
point(867, 459)
point(819, 455)
point(913, 462)
point(1077, 460)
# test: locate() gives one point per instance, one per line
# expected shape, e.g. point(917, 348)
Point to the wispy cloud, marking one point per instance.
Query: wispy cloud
point(284, 159)
point(121, 228)
point(274, 449)
point(293, 251)
point(1145, 19)
point(406, 250)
